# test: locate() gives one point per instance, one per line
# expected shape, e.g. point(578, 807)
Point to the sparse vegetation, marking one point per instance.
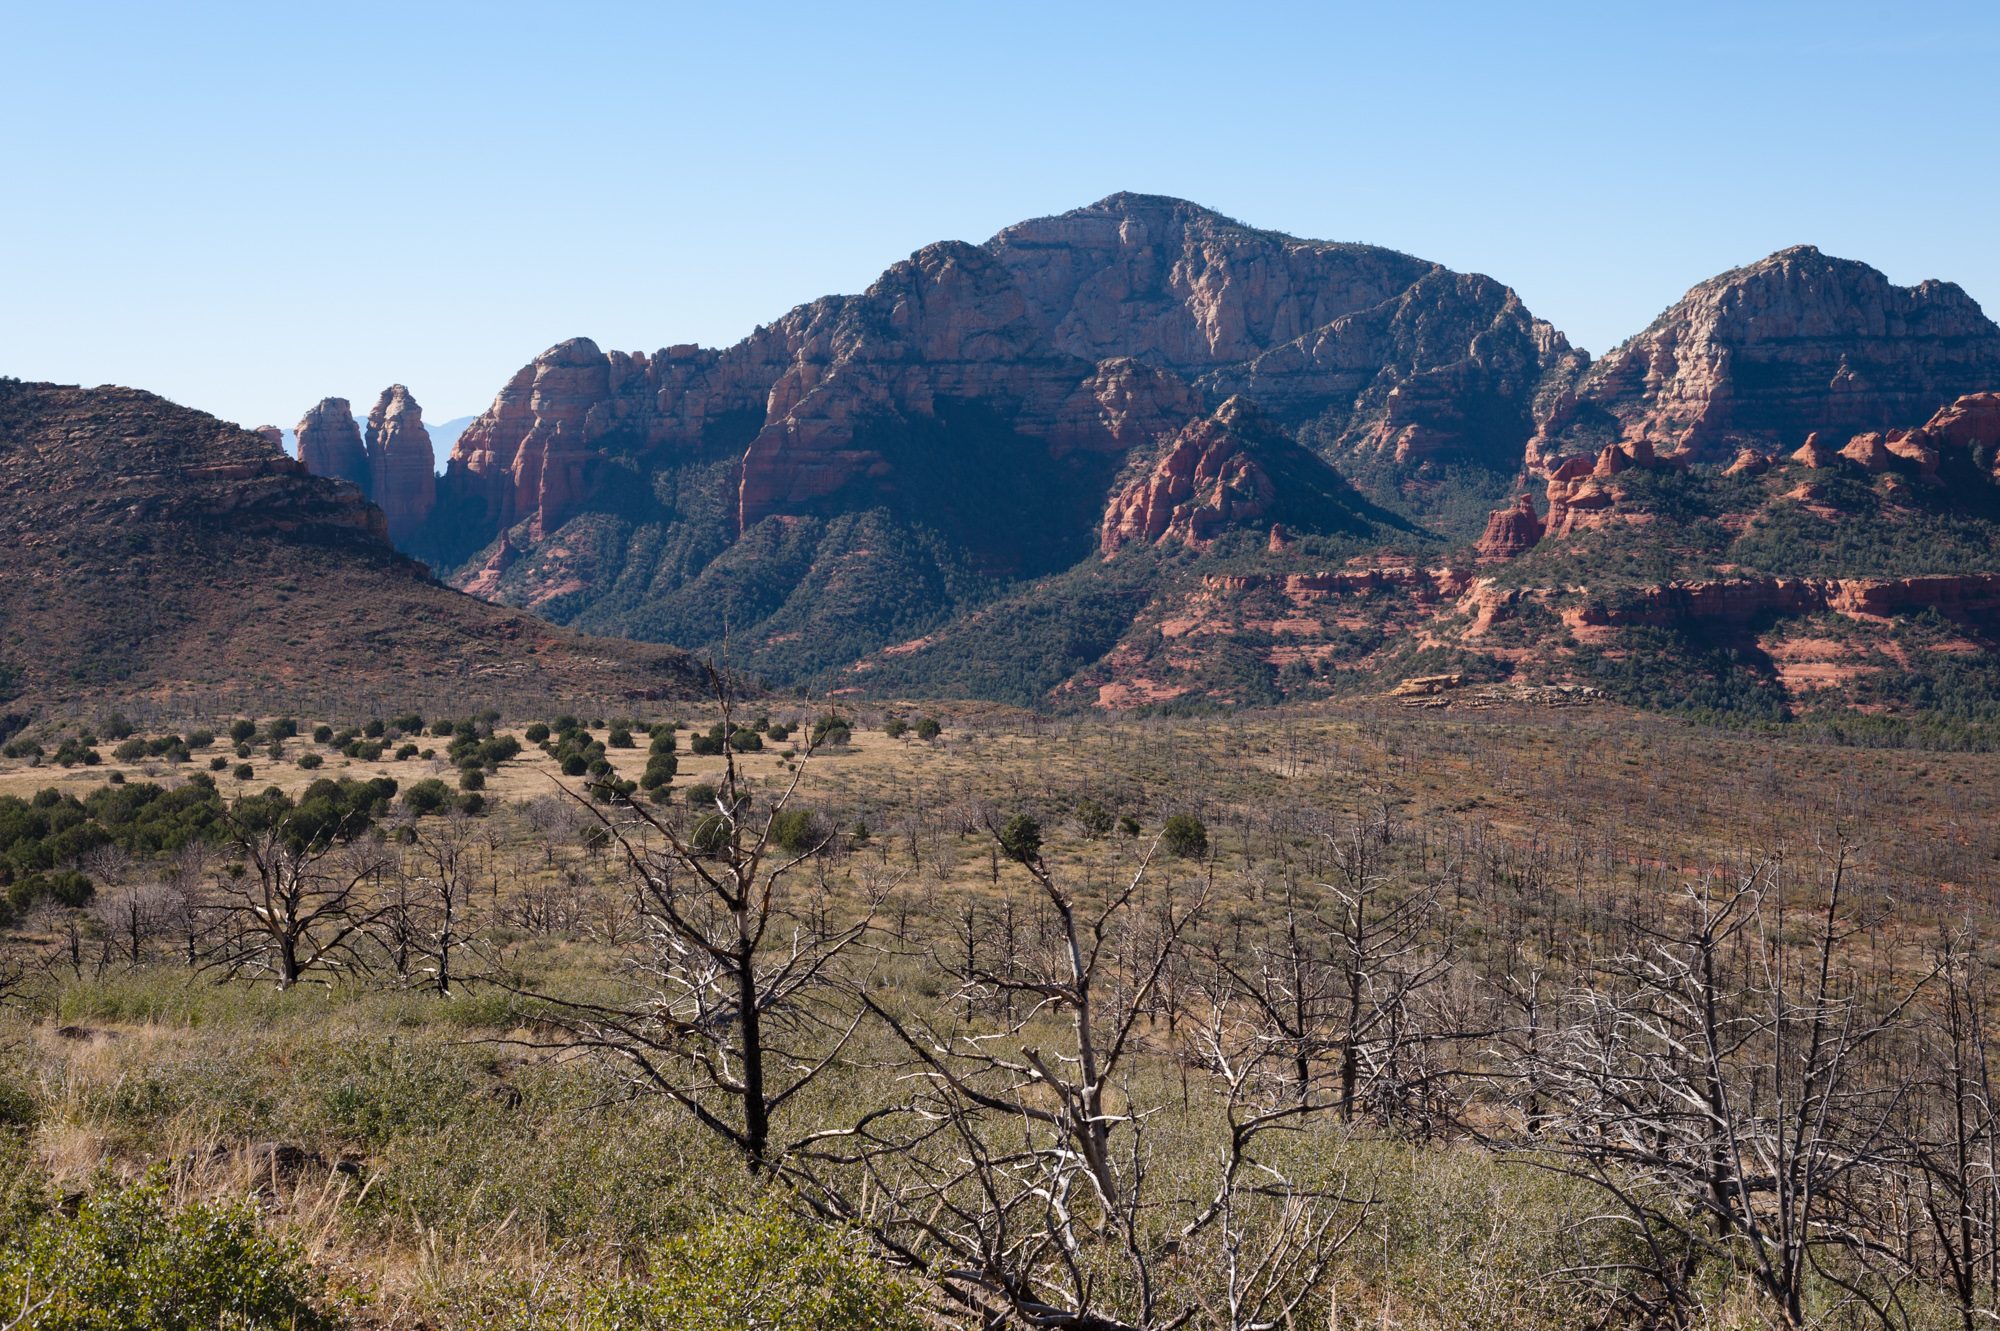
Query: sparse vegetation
point(1445, 896)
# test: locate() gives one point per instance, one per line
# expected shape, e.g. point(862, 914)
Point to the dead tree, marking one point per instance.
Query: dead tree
point(733, 1015)
point(1713, 1087)
point(188, 901)
point(1021, 1166)
point(1275, 1235)
point(1953, 1140)
point(293, 906)
point(447, 871)
point(1337, 983)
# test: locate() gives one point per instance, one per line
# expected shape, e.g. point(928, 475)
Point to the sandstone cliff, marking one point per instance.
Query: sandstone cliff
point(1232, 470)
point(330, 444)
point(1511, 531)
point(1094, 332)
point(1764, 355)
point(402, 481)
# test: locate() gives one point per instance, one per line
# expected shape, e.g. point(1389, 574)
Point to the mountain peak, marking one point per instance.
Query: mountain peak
point(1765, 354)
point(1130, 202)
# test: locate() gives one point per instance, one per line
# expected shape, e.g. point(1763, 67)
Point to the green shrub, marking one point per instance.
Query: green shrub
point(762, 1272)
point(242, 732)
point(895, 727)
point(710, 834)
point(128, 1261)
point(65, 887)
point(244, 771)
point(796, 830)
point(928, 729)
point(322, 734)
point(660, 770)
point(537, 733)
point(1184, 837)
point(427, 796)
point(309, 761)
point(1021, 838)
point(1094, 818)
point(77, 750)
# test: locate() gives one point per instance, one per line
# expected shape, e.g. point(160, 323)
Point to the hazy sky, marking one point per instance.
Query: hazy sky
point(249, 207)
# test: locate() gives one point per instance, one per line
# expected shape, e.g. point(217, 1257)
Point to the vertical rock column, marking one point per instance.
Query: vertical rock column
point(330, 443)
point(402, 481)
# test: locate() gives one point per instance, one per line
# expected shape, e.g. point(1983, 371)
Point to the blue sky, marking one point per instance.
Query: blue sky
point(249, 207)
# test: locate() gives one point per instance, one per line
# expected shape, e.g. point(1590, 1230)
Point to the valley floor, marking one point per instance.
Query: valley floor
point(468, 1161)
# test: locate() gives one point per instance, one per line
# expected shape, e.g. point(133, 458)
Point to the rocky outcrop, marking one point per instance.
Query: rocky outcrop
point(271, 435)
point(1749, 462)
point(1815, 453)
point(1583, 492)
point(1742, 600)
point(330, 444)
point(1233, 470)
point(1206, 480)
point(1511, 531)
point(1971, 423)
point(528, 455)
point(1382, 351)
point(1762, 355)
point(1870, 452)
point(402, 481)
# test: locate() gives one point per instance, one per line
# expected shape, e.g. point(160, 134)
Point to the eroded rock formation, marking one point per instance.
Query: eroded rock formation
point(1234, 470)
point(1511, 531)
point(330, 443)
point(1207, 479)
point(1797, 342)
point(402, 481)
point(1742, 600)
point(1095, 331)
